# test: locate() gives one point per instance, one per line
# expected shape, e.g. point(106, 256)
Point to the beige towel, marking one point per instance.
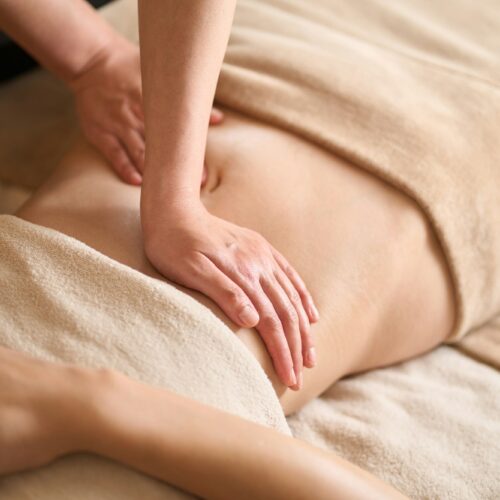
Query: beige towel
point(408, 90)
point(442, 408)
point(430, 427)
point(61, 300)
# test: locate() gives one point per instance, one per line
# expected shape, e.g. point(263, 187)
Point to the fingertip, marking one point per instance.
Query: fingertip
point(248, 317)
point(216, 116)
point(313, 313)
point(291, 380)
point(135, 179)
point(310, 357)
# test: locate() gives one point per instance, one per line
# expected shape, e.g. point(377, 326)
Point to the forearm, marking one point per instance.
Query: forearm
point(63, 35)
point(217, 455)
point(182, 48)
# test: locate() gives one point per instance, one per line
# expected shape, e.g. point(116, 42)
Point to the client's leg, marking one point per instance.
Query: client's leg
point(366, 252)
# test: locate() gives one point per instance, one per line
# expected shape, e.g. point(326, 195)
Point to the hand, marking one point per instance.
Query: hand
point(108, 97)
point(241, 272)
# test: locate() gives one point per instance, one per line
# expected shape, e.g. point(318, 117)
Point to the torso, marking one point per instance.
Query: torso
point(341, 228)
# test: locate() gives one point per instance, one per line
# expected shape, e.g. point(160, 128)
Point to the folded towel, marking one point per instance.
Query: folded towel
point(61, 300)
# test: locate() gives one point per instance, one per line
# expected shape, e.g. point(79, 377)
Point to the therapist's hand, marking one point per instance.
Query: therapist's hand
point(108, 97)
point(241, 272)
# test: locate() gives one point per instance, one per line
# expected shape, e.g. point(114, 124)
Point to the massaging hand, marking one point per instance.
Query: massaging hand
point(240, 271)
point(109, 107)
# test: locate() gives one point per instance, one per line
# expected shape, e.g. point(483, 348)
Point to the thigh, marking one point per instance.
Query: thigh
point(366, 252)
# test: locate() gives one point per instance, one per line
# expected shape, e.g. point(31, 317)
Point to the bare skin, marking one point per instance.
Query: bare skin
point(370, 257)
point(233, 265)
point(101, 68)
point(374, 266)
point(228, 262)
point(195, 447)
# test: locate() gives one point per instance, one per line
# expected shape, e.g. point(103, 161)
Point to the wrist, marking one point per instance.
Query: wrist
point(171, 206)
point(87, 406)
point(106, 49)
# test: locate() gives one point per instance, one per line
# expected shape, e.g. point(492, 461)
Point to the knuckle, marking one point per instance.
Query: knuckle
point(195, 263)
point(282, 353)
point(306, 343)
point(234, 296)
point(271, 323)
point(247, 271)
point(289, 313)
point(139, 153)
point(305, 332)
point(114, 148)
point(294, 296)
point(123, 167)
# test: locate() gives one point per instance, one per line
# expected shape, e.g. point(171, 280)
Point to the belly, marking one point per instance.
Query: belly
point(331, 220)
point(340, 227)
point(309, 204)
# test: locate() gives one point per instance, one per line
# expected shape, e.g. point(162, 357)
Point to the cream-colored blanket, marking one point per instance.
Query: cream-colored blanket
point(408, 90)
point(61, 300)
point(429, 426)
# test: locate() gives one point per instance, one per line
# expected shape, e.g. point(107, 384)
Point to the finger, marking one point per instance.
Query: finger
point(135, 148)
point(129, 119)
point(136, 107)
point(289, 320)
point(271, 331)
point(216, 116)
point(308, 351)
point(204, 175)
point(269, 326)
point(207, 278)
point(136, 120)
point(296, 280)
point(115, 153)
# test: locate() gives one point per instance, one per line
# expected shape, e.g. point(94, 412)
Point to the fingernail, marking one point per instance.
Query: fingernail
point(299, 381)
point(311, 356)
point(248, 316)
point(292, 380)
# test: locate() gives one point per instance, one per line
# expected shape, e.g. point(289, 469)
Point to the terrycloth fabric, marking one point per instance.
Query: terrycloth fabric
point(61, 300)
point(484, 343)
point(430, 426)
point(431, 79)
point(408, 90)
